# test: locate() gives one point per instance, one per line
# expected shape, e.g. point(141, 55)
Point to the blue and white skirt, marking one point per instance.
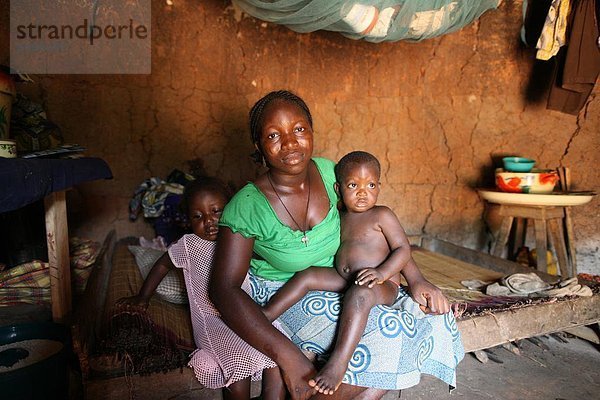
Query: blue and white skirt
point(399, 344)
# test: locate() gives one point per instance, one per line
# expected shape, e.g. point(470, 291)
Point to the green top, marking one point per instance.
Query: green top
point(280, 250)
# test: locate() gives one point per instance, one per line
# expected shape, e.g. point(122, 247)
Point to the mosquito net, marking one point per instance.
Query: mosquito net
point(371, 20)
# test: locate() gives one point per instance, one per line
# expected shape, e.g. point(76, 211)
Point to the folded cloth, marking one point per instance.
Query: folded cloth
point(496, 289)
point(532, 285)
point(568, 287)
point(525, 284)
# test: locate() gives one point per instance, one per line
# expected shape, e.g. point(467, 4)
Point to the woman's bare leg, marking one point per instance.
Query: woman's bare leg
point(239, 390)
point(273, 386)
point(358, 302)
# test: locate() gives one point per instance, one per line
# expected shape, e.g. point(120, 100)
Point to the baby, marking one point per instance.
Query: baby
point(373, 251)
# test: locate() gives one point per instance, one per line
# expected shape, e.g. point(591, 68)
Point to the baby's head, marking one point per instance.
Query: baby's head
point(203, 201)
point(357, 175)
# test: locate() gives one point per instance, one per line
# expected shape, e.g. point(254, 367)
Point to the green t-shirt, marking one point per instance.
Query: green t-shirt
point(281, 249)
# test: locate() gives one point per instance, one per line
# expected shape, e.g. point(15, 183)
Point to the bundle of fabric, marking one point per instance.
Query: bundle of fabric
point(29, 282)
point(26, 283)
point(159, 201)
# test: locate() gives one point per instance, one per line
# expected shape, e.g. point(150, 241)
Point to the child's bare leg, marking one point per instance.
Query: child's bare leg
point(273, 386)
point(239, 390)
point(358, 302)
point(313, 278)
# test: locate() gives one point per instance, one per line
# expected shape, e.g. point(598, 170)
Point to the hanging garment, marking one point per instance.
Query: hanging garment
point(579, 65)
point(534, 17)
point(554, 32)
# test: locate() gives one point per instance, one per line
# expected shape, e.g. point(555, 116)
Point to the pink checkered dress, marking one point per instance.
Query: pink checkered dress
point(222, 357)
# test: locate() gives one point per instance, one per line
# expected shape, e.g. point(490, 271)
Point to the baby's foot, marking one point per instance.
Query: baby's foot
point(329, 379)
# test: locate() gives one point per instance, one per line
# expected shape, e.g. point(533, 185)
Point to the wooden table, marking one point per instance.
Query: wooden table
point(548, 223)
point(24, 181)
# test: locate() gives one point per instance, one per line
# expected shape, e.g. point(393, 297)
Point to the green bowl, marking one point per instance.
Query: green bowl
point(518, 164)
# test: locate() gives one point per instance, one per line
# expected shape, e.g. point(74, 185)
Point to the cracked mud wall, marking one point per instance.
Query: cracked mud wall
point(439, 114)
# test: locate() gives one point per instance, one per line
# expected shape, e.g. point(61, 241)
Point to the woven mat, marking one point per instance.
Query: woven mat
point(126, 280)
point(448, 272)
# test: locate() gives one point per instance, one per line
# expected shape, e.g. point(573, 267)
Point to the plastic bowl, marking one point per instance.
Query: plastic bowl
point(536, 181)
point(518, 164)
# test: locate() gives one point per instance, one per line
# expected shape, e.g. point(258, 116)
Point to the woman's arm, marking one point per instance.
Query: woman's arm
point(160, 269)
point(244, 316)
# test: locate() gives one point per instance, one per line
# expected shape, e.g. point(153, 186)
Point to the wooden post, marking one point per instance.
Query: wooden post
point(520, 233)
point(503, 234)
point(57, 237)
point(541, 245)
point(565, 175)
point(558, 241)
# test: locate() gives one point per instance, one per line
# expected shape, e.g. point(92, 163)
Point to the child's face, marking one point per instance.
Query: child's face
point(359, 187)
point(205, 209)
point(286, 139)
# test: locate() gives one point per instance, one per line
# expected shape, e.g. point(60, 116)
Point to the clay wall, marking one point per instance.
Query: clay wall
point(439, 114)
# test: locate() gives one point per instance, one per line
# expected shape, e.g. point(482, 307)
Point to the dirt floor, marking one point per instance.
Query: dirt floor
point(558, 367)
point(557, 370)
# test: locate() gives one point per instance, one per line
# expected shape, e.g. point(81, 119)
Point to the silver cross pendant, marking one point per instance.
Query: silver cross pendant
point(305, 240)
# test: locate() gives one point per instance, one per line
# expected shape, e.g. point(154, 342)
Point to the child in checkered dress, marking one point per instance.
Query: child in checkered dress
point(223, 359)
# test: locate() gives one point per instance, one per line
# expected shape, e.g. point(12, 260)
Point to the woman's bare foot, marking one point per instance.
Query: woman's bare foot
point(329, 379)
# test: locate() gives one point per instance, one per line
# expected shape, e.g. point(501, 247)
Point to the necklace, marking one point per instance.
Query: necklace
point(304, 237)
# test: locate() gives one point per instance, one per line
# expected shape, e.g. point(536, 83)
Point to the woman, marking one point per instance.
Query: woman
point(286, 221)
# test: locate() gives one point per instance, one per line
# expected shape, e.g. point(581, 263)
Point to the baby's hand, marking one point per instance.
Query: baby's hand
point(369, 277)
point(134, 302)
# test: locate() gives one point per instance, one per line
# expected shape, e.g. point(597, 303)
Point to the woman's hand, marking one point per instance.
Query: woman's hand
point(296, 375)
point(429, 296)
point(136, 302)
point(369, 277)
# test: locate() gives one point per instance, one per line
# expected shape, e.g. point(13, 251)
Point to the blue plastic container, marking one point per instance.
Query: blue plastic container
point(45, 379)
point(518, 164)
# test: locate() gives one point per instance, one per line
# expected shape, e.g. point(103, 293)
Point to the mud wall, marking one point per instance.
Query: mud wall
point(439, 114)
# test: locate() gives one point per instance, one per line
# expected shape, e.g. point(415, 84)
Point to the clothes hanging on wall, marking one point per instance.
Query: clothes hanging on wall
point(534, 18)
point(578, 65)
point(554, 32)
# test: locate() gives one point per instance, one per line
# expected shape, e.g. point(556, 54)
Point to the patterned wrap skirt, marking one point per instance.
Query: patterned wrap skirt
point(399, 343)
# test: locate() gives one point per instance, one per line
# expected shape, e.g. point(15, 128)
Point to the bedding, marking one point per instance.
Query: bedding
point(172, 288)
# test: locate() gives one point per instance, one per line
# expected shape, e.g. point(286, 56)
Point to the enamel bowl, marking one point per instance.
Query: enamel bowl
point(518, 164)
point(536, 181)
point(8, 148)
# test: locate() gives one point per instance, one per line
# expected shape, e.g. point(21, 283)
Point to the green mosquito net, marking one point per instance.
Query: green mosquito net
point(371, 20)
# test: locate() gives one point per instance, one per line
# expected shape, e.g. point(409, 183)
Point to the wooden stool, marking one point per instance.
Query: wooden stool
point(548, 222)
